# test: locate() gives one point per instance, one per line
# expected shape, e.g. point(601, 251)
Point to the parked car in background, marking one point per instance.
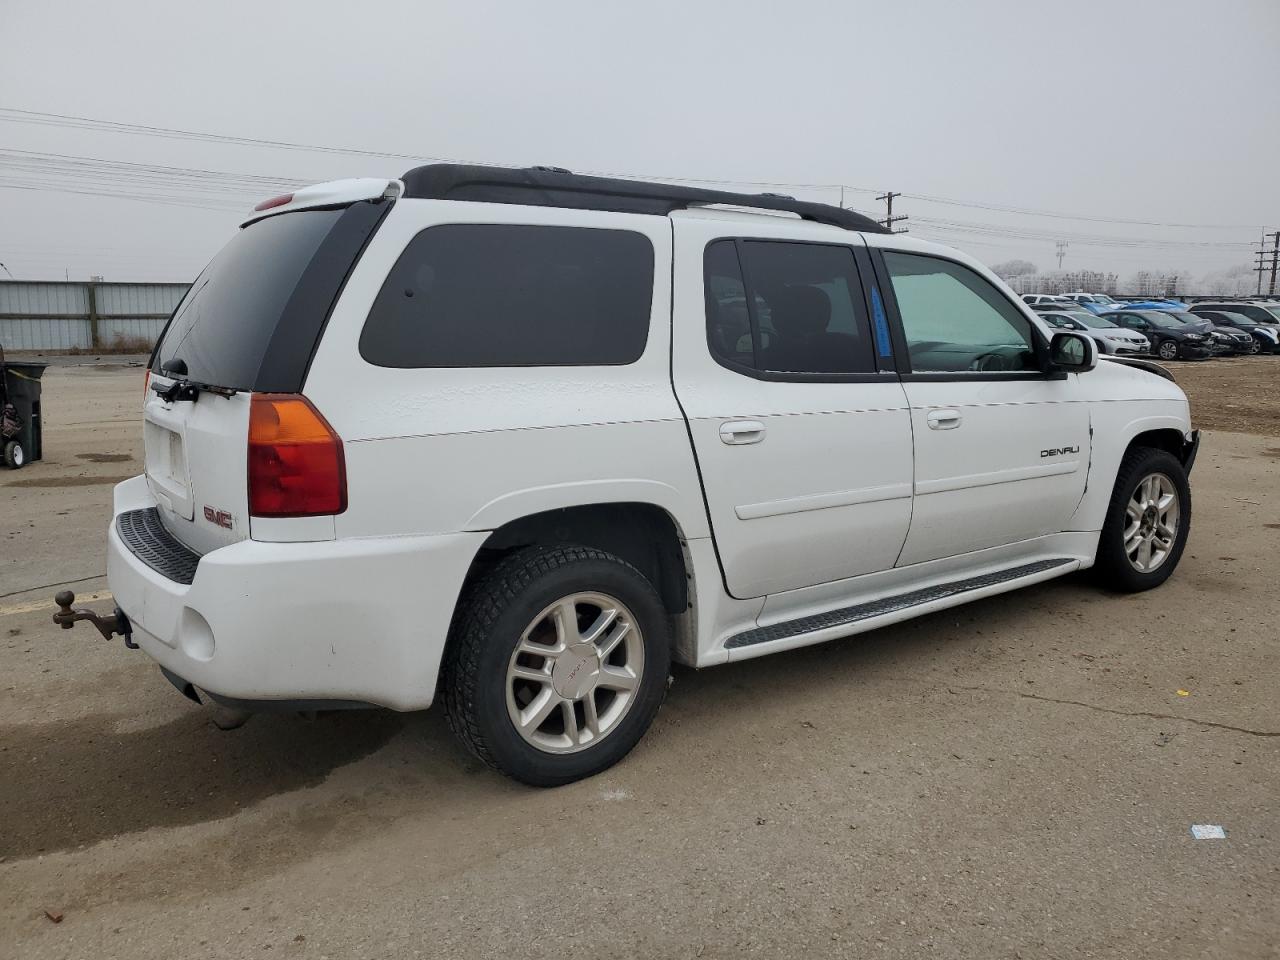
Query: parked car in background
point(1224, 339)
point(1261, 313)
point(1034, 299)
point(1068, 309)
point(1111, 338)
point(1265, 337)
point(1171, 338)
point(1153, 305)
point(1231, 340)
point(1095, 302)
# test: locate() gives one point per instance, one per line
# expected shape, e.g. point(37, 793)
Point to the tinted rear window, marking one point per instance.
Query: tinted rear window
point(223, 326)
point(505, 295)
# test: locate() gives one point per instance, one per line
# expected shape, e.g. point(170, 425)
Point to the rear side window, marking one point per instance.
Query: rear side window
point(508, 295)
point(778, 307)
point(223, 327)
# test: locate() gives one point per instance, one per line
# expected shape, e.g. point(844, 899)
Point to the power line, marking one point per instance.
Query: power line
point(1026, 211)
point(40, 118)
point(17, 115)
point(203, 188)
point(1031, 233)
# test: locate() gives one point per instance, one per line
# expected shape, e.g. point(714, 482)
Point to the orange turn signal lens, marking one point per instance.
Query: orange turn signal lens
point(296, 464)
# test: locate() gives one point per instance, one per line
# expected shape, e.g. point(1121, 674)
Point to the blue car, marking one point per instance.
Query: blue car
point(1175, 305)
point(1095, 303)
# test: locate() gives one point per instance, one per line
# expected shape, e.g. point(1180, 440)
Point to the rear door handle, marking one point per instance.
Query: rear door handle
point(742, 431)
point(944, 419)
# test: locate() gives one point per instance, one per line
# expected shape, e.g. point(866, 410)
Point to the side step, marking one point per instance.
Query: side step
point(847, 616)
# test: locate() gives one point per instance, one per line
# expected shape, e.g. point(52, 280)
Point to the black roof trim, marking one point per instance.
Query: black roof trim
point(556, 187)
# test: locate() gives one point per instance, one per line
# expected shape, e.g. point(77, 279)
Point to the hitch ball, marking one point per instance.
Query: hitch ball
point(66, 618)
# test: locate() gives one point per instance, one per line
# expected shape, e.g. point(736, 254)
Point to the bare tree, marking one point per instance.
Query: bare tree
point(1014, 268)
point(1233, 282)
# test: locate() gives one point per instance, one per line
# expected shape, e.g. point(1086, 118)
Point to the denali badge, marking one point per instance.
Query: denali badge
point(1052, 452)
point(223, 519)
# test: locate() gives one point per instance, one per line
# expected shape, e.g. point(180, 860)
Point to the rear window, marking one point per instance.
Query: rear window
point(508, 295)
point(224, 325)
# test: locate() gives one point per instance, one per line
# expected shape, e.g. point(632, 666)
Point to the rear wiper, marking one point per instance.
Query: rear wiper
point(178, 390)
point(183, 389)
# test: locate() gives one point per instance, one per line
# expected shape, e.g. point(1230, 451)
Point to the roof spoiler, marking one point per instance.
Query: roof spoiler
point(334, 193)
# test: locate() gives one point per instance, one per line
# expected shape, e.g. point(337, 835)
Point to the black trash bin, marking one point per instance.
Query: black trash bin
point(20, 434)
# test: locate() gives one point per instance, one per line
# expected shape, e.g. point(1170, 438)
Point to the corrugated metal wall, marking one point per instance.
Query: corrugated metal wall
point(58, 316)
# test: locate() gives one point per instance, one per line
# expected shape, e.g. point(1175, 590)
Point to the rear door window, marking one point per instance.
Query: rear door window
point(513, 295)
point(781, 307)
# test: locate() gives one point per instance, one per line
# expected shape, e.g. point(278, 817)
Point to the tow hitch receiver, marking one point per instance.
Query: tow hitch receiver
point(107, 626)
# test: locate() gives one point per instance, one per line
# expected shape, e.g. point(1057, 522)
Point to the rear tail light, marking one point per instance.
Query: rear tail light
point(146, 384)
point(296, 465)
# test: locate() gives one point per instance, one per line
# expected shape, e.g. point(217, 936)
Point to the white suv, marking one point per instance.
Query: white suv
point(518, 439)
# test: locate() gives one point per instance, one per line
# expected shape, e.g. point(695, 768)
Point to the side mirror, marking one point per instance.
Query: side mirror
point(1073, 352)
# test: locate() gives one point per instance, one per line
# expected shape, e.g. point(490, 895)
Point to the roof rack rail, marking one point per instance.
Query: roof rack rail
point(557, 187)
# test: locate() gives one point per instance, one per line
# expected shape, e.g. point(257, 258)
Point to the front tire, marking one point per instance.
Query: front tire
point(14, 456)
point(1147, 522)
point(557, 663)
point(1167, 350)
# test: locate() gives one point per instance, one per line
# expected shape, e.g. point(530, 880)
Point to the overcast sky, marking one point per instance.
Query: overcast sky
point(1164, 111)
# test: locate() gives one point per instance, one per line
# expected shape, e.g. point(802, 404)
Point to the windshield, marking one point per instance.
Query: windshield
point(224, 324)
point(1166, 321)
point(1097, 322)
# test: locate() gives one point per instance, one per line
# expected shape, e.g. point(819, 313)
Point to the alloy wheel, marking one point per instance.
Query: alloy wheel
point(575, 673)
point(1168, 350)
point(1151, 523)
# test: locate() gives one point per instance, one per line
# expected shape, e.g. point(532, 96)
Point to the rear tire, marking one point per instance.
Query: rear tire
point(1142, 538)
point(14, 456)
point(539, 681)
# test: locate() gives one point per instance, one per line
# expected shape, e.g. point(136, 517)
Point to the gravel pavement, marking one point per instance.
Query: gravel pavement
point(1013, 778)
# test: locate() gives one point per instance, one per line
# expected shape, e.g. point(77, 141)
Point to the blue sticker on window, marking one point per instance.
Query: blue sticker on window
point(881, 324)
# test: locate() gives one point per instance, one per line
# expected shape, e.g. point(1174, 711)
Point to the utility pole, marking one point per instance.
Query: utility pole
point(1259, 256)
point(889, 219)
point(1275, 261)
point(1062, 251)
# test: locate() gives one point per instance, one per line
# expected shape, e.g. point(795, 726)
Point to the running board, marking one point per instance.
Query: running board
point(849, 616)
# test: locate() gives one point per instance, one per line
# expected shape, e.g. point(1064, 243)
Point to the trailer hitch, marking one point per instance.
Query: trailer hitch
point(66, 618)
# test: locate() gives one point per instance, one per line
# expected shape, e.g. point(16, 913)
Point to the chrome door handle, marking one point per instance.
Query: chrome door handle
point(943, 419)
point(742, 431)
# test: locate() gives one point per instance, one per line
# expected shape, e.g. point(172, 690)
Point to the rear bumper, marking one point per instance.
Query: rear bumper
point(360, 620)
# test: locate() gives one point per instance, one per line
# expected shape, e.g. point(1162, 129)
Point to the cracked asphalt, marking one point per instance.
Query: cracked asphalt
point(1013, 778)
